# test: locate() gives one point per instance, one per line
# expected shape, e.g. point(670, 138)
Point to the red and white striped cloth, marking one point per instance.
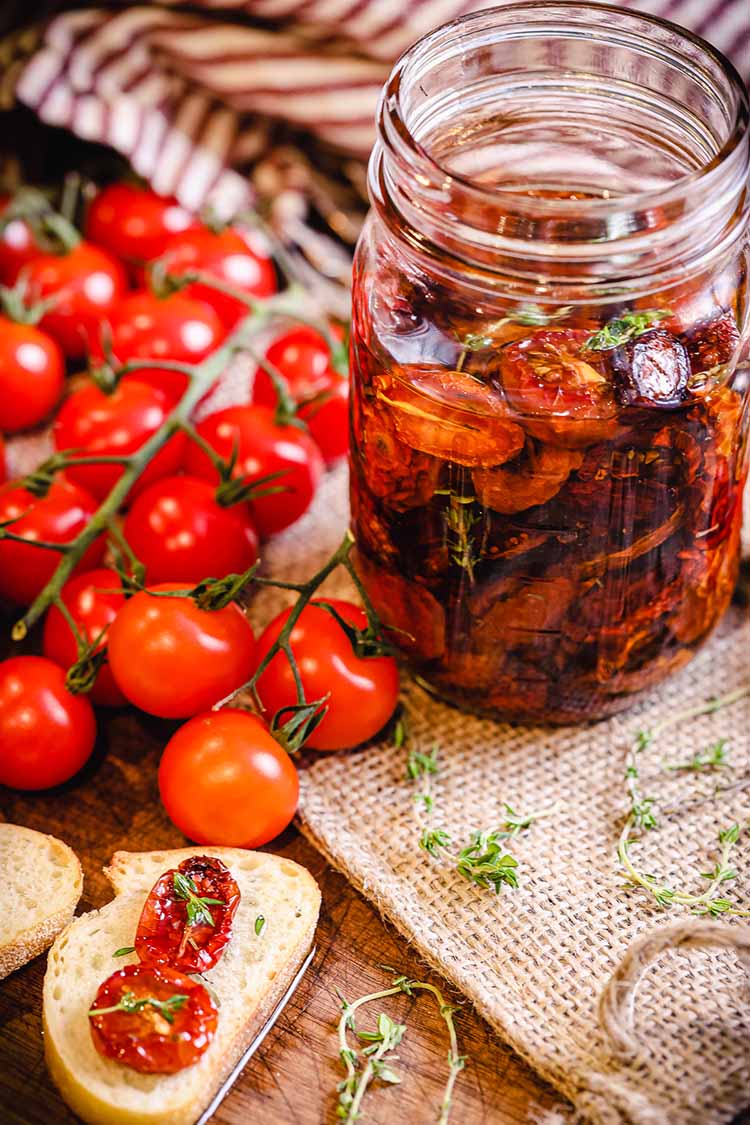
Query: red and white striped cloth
point(183, 97)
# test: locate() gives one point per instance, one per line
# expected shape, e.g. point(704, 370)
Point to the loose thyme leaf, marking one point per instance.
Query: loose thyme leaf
point(621, 329)
point(419, 765)
point(260, 924)
point(486, 863)
point(124, 951)
point(433, 839)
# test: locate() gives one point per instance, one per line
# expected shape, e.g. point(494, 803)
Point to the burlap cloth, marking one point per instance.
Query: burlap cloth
point(535, 960)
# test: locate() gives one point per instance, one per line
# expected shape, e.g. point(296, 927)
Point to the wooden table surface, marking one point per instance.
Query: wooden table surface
point(114, 805)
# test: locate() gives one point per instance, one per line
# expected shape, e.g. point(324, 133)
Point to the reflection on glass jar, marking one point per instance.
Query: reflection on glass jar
point(549, 354)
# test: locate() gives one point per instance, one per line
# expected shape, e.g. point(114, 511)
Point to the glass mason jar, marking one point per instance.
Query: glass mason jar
point(550, 315)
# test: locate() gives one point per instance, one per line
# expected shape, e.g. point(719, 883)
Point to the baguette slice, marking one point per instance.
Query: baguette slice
point(247, 983)
point(43, 883)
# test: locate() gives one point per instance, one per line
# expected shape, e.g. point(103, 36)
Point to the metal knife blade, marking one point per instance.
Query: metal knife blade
point(244, 1058)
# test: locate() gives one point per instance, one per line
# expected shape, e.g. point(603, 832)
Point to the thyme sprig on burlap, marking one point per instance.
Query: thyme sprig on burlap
point(422, 767)
point(485, 860)
point(642, 819)
point(715, 756)
point(363, 1065)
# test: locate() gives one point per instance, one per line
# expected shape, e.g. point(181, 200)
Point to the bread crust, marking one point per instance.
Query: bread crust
point(33, 940)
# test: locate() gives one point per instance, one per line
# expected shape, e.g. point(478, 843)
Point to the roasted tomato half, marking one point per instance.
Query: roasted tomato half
point(450, 415)
point(152, 1019)
point(550, 375)
point(186, 920)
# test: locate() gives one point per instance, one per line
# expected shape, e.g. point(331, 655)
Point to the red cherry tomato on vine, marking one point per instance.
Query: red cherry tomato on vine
point(227, 257)
point(32, 375)
point(134, 222)
point(86, 283)
point(93, 601)
point(172, 659)
point(363, 690)
point(46, 734)
point(97, 424)
point(263, 447)
point(18, 246)
point(303, 357)
point(57, 517)
point(327, 418)
point(225, 781)
point(138, 1040)
point(176, 328)
point(181, 533)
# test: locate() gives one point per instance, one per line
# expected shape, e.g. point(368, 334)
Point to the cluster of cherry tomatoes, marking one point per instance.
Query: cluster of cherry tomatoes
point(157, 649)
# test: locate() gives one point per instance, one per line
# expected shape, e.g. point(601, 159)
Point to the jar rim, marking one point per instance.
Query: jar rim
point(391, 107)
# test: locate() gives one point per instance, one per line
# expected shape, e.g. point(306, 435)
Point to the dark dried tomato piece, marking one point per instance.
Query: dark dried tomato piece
point(510, 611)
point(651, 370)
point(712, 341)
point(152, 1019)
point(186, 921)
point(523, 484)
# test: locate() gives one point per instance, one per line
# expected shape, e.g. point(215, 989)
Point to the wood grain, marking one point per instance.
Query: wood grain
point(291, 1080)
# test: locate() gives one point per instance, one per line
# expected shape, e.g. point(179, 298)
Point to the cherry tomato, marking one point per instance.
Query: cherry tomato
point(46, 734)
point(186, 921)
point(363, 690)
point(18, 246)
point(224, 780)
point(93, 600)
point(175, 328)
point(32, 375)
point(86, 284)
point(327, 418)
point(181, 534)
point(134, 223)
point(172, 659)
point(227, 257)
point(97, 424)
point(57, 517)
point(263, 447)
point(152, 1019)
point(302, 356)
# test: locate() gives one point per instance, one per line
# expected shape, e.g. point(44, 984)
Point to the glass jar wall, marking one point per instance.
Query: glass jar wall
point(550, 384)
